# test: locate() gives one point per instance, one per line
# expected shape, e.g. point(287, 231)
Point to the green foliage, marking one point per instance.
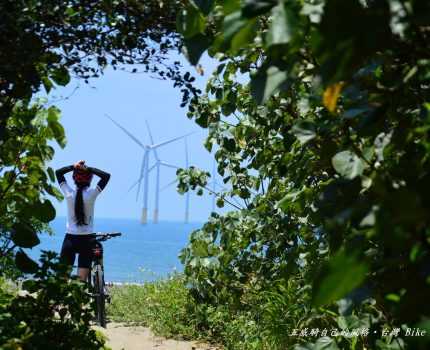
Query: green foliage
point(341, 276)
point(320, 120)
point(266, 319)
point(25, 179)
point(44, 44)
point(80, 38)
point(54, 41)
point(50, 311)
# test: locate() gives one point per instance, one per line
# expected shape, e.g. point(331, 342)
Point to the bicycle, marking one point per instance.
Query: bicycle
point(96, 276)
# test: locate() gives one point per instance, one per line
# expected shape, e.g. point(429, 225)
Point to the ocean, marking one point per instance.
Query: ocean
point(143, 252)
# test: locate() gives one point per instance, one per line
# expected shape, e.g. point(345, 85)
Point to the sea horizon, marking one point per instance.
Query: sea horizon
point(144, 252)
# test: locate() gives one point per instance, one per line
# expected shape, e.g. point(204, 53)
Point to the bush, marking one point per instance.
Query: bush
point(51, 311)
point(264, 318)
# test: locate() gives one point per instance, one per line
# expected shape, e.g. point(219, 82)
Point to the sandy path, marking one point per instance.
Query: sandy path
point(121, 337)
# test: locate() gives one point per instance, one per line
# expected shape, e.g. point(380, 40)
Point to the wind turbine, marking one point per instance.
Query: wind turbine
point(144, 169)
point(158, 164)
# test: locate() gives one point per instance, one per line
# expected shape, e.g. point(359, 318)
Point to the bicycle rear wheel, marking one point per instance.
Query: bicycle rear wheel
point(100, 296)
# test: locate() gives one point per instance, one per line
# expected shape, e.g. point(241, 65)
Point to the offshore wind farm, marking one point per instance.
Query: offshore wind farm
point(150, 153)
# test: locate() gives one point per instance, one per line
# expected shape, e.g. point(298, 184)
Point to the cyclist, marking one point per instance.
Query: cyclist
point(80, 214)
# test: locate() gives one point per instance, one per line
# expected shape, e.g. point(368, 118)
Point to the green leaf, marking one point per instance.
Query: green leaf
point(244, 36)
point(43, 211)
point(348, 164)
point(220, 202)
point(56, 128)
point(233, 23)
point(285, 203)
point(60, 76)
point(267, 82)
point(190, 22)
point(352, 322)
point(53, 114)
point(46, 211)
point(253, 8)
point(47, 83)
point(304, 131)
point(393, 297)
point(230, 6)
point(354, 112)
point(205, 6)
point(24, 263)
point(342, 43)
point(23, 235)
point(324, 343)
point(342, 274)
point(51, 174)
point(382, 140)
point(283, 25)
point(200, 248)
point(237, 33)
point(194, 47)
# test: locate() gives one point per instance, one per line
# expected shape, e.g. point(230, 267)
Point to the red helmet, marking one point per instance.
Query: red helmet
point(82, 176)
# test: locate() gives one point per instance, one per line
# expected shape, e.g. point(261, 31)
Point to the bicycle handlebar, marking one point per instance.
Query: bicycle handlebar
point(100, 236)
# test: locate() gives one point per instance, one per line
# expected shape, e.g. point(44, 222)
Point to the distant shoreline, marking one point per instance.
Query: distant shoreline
point(112, 284)
point(137, 220)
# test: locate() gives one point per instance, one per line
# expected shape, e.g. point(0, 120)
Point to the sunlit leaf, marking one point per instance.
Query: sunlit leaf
point(267, 82)
point(331, 96)
point(348, 164)
point(283, 25)
point(285, 203)
point(304, 131)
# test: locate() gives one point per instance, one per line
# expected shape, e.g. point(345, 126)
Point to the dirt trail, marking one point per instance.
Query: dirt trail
point(121, 337)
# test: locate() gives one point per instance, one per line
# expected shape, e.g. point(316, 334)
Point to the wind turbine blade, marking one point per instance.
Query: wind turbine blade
point(169, 165)
point(142, 169)
point(133, 186)
point(216, 184)
point(168, 185)
point(171, 140)
point(134, 138)
point(151, 168)
point(152, 139)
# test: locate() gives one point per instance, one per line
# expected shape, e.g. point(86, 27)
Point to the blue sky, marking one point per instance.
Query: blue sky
point(130, 99)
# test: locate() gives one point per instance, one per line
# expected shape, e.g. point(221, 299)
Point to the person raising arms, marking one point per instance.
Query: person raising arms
point(80, 214)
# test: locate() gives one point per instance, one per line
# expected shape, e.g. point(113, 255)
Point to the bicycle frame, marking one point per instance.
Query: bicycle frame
point(96, 276)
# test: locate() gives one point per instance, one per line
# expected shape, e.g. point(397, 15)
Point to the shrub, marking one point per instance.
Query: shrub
point(50, 311)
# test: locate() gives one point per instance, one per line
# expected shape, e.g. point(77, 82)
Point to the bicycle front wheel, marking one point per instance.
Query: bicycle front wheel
point(100, 296)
